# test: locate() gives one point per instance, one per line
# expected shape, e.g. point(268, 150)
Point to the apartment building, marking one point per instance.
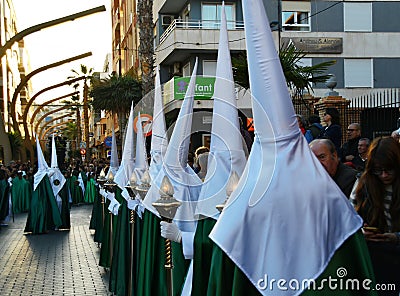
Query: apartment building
point(14, 63)
point(361, 36)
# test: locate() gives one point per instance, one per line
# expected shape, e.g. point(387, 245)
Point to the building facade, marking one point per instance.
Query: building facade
point(361, 36)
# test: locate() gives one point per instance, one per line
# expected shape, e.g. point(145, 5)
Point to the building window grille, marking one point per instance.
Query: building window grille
point(211, 15)
point(357, 17)
point(358, 73)
point(296, 21)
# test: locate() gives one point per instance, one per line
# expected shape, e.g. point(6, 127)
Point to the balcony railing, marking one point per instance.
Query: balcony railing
point(199, 24)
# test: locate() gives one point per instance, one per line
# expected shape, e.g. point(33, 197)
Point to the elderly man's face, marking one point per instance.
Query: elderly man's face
point(353, 132)
point(362, 147)
point(326, 158)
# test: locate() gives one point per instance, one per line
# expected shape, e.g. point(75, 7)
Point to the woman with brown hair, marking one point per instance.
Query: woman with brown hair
point(377, 197)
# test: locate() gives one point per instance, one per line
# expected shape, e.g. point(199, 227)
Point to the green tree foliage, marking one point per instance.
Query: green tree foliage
point(116, 94)
point(298, 78)
point(16, 143)
point(71, 133)
point(88, 74)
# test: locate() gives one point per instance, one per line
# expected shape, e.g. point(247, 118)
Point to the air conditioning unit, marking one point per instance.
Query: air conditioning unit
point(166, 20)
point(177, 68)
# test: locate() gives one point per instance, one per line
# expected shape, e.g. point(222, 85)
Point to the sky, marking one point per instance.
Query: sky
point(91, 33)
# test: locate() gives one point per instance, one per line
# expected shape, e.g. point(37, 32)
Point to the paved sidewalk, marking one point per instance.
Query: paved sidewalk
point(57, 263)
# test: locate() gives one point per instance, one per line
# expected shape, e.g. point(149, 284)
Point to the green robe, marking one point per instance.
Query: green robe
point(21, 194)
point(4, 191)
point(181, 266)
point(76, 191)
point(119, 272)
point(108, 239)
point(96, 220)
point(90, 191)
point(227, 279)
point(65, 214)
point(151, 278)
point(43, 214)
point(203, 251)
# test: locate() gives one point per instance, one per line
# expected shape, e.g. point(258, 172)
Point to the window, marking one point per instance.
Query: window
point(358, 73)
point(211, 15)
point(209, 68)
point(358, 17)
point(296, 21)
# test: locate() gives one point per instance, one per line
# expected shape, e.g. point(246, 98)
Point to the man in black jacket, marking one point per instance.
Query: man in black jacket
point(349, 150)
point(343, 175)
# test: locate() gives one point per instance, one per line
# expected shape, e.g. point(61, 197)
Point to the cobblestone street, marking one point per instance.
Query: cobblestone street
point(57, 263)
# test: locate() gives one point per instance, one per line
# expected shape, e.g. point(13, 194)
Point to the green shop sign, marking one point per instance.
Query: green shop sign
point(204, 89)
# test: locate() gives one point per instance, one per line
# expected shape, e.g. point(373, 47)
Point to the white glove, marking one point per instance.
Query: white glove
point(170, 231)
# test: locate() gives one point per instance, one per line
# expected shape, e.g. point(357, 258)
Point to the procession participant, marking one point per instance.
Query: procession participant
point(60, 188)
point(227, 160)
point(151, 262)
point(178, 176)
point(43, 214)
point(115, 199)
point(21, 193)
point(271, 230)
point(120, 273)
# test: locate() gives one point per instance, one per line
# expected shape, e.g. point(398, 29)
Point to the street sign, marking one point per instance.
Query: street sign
point(83, 151)
point(83, 145)
point(147, 123)
point(108, 141)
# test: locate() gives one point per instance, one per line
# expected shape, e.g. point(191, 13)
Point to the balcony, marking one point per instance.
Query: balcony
point(197, 34)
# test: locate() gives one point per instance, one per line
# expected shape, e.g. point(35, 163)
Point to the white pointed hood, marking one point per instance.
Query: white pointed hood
point(127, 163)
point(287, 217)
point(114, 163)
point(159, 141)
point(184, 180)
point(54, 172)
point(141, 164)
point(226, 149)
point(42, 165)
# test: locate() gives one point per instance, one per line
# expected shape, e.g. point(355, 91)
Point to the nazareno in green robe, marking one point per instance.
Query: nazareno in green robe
point(43, 214)
point(90, 191)
point(21, 194)
point(75, 189)
point(227, 279)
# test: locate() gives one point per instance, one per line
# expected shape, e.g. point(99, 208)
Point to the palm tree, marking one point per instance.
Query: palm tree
point(71, 133)
point(16, 143)
point(146, 47)
point(116, 94)
point(75, 106)
point(298, 78)
point(87, 73)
